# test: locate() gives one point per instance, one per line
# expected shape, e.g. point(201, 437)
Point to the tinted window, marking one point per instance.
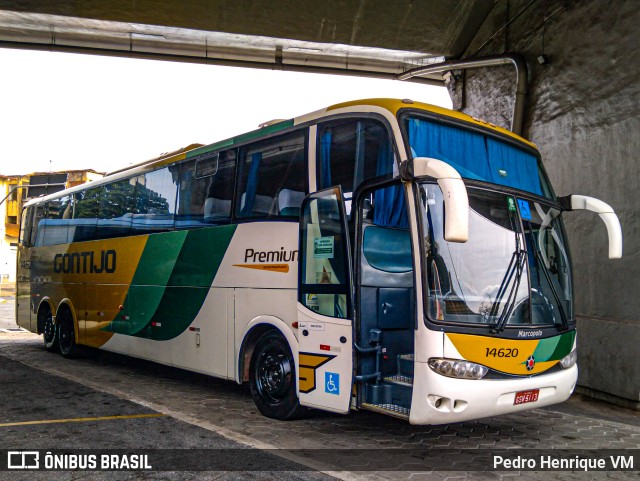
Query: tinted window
point(206, 190)
point(274, 180)
point(60, 208)
point(116, 209)
point(155, 202)
point(56, 228)
point(351, 151)
point(36, 232)
point(25, 226)
point(85, 215)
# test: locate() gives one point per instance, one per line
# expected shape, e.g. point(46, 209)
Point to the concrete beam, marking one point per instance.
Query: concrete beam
point(427, 26)
point(60, 33)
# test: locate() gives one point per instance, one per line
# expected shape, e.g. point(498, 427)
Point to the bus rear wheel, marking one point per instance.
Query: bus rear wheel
point(66, 334)
point(273, 378)
point(49, 332)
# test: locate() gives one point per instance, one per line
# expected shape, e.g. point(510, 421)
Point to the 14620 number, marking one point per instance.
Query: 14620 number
point(502, 352)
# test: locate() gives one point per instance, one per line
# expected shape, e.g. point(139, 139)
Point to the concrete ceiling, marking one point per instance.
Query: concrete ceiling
point(354, 37)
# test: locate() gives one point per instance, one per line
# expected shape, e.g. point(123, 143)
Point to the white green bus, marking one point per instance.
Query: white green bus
point(378, 254)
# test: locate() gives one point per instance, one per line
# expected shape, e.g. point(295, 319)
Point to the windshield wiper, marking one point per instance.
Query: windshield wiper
point(543, 267)
point(516, 267)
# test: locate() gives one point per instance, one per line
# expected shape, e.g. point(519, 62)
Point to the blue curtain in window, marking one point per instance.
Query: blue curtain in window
point(465, 151)
point(361, 147)
point(521, 168)
point(474, 155)
point(390, 209)
point(252, 184)
point(325, 160)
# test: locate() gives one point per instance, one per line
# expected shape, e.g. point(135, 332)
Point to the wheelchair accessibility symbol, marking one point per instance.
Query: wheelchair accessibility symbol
point(332, 383)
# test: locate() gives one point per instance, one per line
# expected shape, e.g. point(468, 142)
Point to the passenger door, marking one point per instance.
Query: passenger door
point(325, 303)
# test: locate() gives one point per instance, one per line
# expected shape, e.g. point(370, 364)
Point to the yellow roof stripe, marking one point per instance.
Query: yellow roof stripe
point(394, 105)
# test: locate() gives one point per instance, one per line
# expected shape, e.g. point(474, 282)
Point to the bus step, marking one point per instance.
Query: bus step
point(405, 365)
point(389, 409)
point(392, 391)
point(400, 379)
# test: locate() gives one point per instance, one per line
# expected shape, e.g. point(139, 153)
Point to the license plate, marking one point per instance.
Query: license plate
point(523, 397)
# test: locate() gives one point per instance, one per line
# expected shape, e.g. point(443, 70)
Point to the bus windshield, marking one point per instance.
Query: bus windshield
point(513, 271)
point(477, 156)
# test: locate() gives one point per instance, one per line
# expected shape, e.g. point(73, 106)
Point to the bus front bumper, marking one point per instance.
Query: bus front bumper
point(439, 399)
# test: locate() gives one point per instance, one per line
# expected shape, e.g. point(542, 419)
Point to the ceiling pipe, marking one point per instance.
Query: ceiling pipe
point(492, 61)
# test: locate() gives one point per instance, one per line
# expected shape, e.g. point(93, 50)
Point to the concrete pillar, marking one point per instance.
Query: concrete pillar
point(583, 112)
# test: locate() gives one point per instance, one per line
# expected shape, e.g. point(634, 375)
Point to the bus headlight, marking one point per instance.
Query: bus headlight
point(569, 360)
point(457, 368)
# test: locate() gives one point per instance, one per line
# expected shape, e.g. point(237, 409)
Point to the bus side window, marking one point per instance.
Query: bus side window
point(273, 177)
point(155, 202)
point(116, 207)
point(192, 193)
point(217, 205)
point(25, 227)
point(351, 151)
point(206, 190)
point(37, 232)
point(85, 216)
point(57, 226)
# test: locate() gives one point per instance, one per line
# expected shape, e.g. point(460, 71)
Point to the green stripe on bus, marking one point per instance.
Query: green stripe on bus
point(564, 346)
point(554, 348)
point(209, 148)
point(269, 129)
point(195, 269)
point(254, 134)
point(147, 286)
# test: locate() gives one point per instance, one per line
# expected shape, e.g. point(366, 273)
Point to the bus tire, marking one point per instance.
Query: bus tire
point(49, 332)
point(66, 334)
point(272, 378)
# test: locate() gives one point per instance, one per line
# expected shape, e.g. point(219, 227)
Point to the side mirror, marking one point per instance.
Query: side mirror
point(456, 201)
point(606, 213)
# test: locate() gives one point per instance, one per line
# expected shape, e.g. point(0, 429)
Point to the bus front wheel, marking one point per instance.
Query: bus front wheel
point(273, 378)
point(66, 334)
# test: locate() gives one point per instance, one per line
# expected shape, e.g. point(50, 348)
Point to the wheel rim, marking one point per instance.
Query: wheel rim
point(66, 336)
point(49, 330)
point(273, 375)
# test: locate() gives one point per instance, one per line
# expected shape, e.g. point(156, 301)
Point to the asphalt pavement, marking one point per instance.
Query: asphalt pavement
point(7, 313)
point(105, 401)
